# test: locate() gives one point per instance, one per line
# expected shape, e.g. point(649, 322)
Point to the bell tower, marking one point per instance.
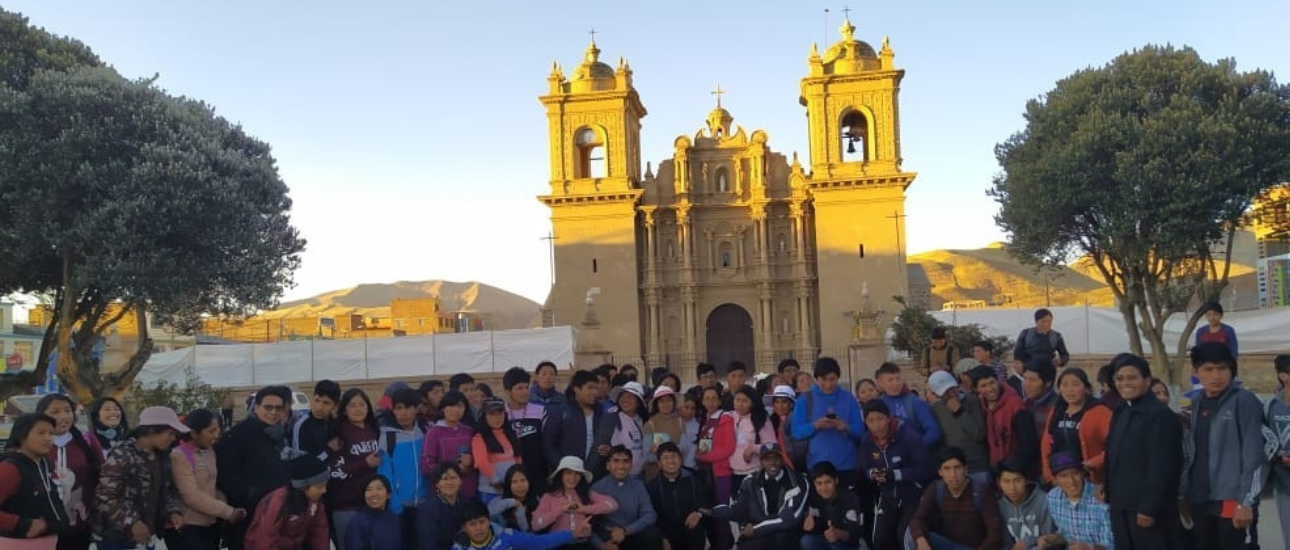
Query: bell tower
point(856, 183)
point(594, 129)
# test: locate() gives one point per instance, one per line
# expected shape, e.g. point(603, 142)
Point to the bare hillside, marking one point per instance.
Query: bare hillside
point(504, 309)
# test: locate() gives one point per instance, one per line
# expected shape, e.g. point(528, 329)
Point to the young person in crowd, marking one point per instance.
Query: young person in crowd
point(752, 427)
point(787, 370)
point(1041, 342)
point(1278, 418)
point(108, 425)
point(832, 518)
point(1109, 395)
point(136, 496)
point(1225, 481)
point(525, 418)
point(30, 506)
point(958, 414)
point(736, 377)
point(626, 423)
point(479, 533)
point(604, 378)
point(465, 383)
point(780, 403)
point(829, 417)
point(955, 512)
point(1023, 508)
point(1143, 461)
point(983, 352)
point(251, 457)
point(376, 526)
point(1083, 521)
point(664, 425)
point(440, 517)
point(716, 446)
point(629, 373)
point(681, 500)
point(867, 390)
point(895, 460)
point(940, 355)
point(770, 506)
point(449, 441)
point(494, 448)
point(76, 471)
point(294, 516)
point(575, 429)
point(803, 382)
point(1009, 427)
point(632, 526)
point(401, 443)
point(907, 406)
point(431, 392)
point(311, 433)
point(1077, 425)
point(571, 505)
point(385, 404)
point(1215, 330)
point(1041, 396)
point(689, 443)
point(544, 391)
point(519, 499)
point(355, 463)
point(706, 374)
point(671, 380)
point(194, 471)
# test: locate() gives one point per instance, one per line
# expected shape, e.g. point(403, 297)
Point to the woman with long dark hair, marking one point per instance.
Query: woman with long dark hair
point(571, 503)
point(293, 516)
point(514, 509)
point(752, 427)
point(76, 470)
point(356, 462)
point(375, 527)
point(494, 449)
point(193, 468)
point(29, 504)
point(1078, 425)
point(108, 425)
point(716, 446)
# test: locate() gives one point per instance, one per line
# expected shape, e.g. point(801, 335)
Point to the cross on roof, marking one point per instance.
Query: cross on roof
point(718, 92)
point(846, 11)
point(592, 32)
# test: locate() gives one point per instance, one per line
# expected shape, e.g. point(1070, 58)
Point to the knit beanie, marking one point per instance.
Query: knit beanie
point(307, 470)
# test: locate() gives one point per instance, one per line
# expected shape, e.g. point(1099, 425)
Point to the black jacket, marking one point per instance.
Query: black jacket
point(564, 433)
point(31, 499)
point(1144, 458)
point(438, 522)
point(310, 435)
point(843, 511)
point(675, 500)
point(252, 463)
point(752, 507)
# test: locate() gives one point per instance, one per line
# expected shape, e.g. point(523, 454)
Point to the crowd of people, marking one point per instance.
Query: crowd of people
point(982, 457)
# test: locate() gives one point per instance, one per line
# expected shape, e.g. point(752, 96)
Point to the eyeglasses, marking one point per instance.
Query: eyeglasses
point(273, 408)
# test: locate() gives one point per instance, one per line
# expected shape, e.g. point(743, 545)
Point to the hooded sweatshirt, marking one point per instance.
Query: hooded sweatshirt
point(829, 445)
point(1235, 464)
point(400, 463)
point(27, 493)
point(492, 466)
point(446, 443)
point(965, 429)
point(1028, 521)
point(1010, 431)
point(717, 442)
point(1278, 413)
point(916, 415)
point(349, 469)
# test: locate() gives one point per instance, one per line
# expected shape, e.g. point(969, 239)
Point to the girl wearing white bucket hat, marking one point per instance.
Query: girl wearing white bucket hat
point(571, 502)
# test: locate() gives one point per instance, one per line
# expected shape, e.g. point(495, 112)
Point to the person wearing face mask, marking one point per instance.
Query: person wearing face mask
point(29, 504)
point(136, 497)
point(253, 457)
point(108, 425)
point(76, 470)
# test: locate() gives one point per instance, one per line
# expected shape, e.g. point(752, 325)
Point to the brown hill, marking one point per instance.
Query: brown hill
point(503, 309)
point(991, 275)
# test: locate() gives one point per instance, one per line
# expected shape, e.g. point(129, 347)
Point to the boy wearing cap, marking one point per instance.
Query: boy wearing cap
point(1083, 522)
point(770, 505)
point(958, 413)
point(940, 356)
point(136, 497)
point(631, 526)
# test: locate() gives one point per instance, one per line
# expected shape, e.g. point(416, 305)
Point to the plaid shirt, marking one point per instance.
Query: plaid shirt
point(1087, 521)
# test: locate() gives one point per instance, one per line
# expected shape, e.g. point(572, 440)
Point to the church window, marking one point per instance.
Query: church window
point(726, 254)
point(590, 147)
point(595, 266)
point(855, 137)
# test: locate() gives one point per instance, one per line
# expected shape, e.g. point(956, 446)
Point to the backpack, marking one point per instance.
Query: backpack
point(940, 494)
point(1024, 340)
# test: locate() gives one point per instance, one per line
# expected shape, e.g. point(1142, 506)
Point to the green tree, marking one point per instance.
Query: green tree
point(192, 394)
point(1147, 166)
point(116, 193)
point(912, 333)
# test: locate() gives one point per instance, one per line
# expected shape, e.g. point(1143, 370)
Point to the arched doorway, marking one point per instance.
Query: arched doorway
point(730, 337)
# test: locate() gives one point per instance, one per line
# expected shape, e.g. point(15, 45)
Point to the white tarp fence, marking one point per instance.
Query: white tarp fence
point(1101, 331)
point(413, 356)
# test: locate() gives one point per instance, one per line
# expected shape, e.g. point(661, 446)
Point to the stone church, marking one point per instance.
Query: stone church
point(729, 249)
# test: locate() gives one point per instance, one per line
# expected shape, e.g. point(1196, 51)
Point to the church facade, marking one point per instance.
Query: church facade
point(729, 250)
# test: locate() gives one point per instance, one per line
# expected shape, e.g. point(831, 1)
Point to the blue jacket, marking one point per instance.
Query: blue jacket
point(830, 445)
point(373, 530)
point(907, 459)
point(402, 466)
point(916, 415)
point(507, 539)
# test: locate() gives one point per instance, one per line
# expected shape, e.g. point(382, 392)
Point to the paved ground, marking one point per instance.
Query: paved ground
point(1270, 527)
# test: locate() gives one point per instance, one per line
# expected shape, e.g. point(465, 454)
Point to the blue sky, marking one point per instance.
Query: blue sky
point(412, 139)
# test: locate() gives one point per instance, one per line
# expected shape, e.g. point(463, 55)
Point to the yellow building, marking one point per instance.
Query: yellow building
point(729, 250)
point(407, 317)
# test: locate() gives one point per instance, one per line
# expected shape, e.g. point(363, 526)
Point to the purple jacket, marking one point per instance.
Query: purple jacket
point(445, 444)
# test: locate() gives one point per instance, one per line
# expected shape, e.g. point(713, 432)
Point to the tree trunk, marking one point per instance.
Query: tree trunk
point(69, 373)
point(118, 383)
point(22, 382)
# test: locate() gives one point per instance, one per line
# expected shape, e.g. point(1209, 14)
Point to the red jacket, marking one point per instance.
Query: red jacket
point(307, 531)
point(1010, 432)
point(717, 443)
